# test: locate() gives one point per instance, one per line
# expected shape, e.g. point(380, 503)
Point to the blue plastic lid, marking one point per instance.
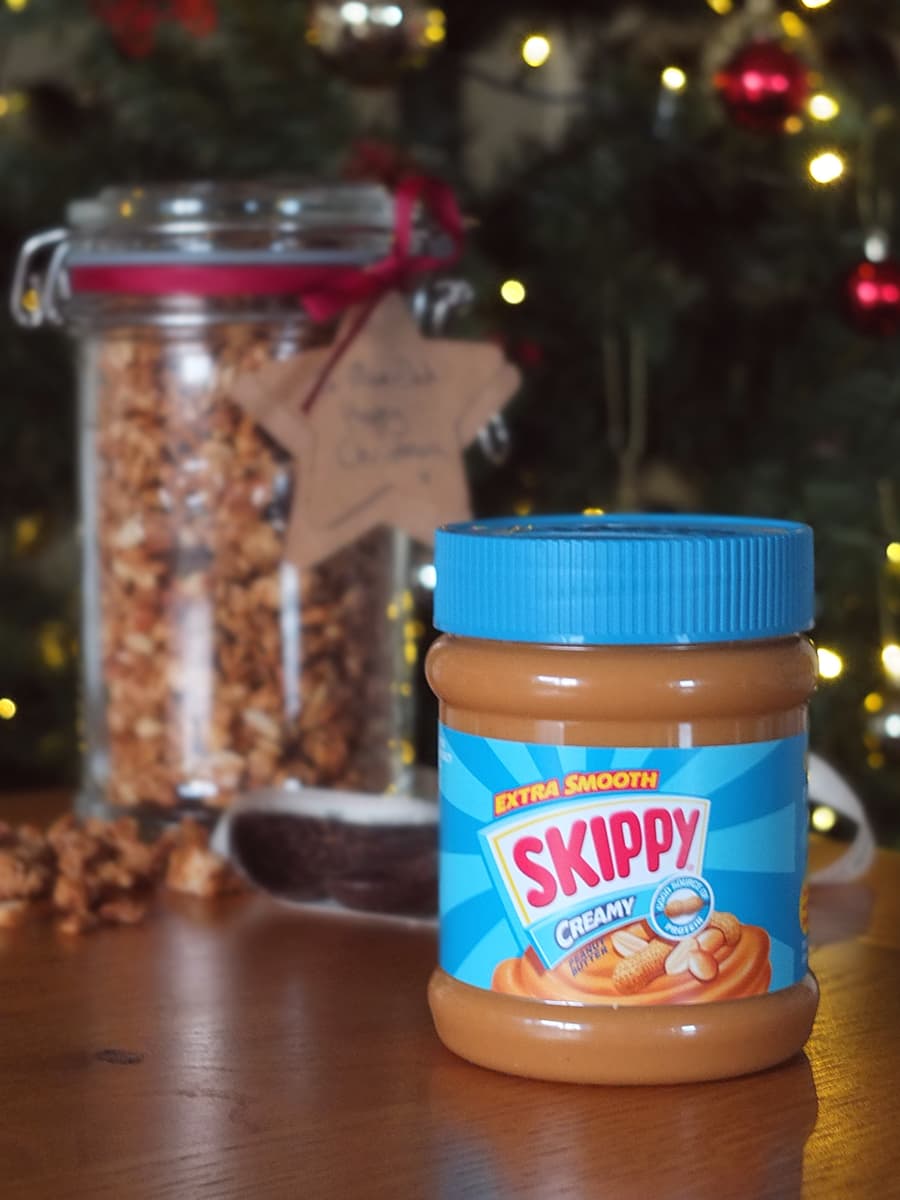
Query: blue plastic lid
point(624, 579)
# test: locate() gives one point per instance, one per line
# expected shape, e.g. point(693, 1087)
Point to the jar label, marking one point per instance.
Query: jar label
point(623, 876)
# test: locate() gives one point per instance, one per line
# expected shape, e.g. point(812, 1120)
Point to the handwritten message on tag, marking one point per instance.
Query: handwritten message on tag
point(382, 440)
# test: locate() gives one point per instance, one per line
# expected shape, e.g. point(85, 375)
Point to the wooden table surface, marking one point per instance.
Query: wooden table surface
point(243, 1050)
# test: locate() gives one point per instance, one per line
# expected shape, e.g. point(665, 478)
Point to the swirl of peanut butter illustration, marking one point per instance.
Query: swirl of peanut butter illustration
point(727, 961)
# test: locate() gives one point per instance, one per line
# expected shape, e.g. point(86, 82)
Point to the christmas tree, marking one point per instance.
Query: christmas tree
point(681, 217)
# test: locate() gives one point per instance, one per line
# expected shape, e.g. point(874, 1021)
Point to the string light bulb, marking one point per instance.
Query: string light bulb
point(890, 660)
point(536, 49)
point(513, 291)
point(427, 576)
point(53, 645)
point(823, 107)
point(792, 25)
point(674, 79)
point(826, 167)
point(831, 665)
point(7, 708)
point(823, 818)
point(435, 26)
point(892, 553)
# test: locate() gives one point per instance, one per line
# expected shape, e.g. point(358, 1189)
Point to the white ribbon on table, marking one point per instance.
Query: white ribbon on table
point(826, 786)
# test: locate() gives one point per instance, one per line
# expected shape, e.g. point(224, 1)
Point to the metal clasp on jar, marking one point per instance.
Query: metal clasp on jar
point(40, 281)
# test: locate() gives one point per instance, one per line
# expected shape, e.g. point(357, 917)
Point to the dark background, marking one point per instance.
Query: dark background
point(682, 271)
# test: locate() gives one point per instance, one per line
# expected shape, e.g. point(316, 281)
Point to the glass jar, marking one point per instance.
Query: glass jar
point(211, 663)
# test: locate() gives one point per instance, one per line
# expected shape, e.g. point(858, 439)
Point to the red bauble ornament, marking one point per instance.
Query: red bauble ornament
point(763, 85)
point(872, 292)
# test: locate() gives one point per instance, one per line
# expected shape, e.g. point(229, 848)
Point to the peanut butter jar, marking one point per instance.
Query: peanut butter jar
point(623, 734)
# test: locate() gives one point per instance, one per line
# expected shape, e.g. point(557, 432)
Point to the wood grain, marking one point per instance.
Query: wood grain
point(243, 1050)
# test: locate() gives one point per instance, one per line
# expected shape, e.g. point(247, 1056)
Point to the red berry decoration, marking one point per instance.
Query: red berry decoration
point(134, 23)
point(873, 298)
point(763, 85)
point(198, 17)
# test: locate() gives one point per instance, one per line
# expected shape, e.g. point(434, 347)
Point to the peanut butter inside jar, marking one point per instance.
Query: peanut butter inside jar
point(623, 708)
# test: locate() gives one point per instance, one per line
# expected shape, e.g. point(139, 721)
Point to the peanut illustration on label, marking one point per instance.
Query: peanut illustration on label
point(633, 964)
point(643, 961)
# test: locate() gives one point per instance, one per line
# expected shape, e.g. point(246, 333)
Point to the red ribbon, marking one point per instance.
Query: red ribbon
point(324, 291)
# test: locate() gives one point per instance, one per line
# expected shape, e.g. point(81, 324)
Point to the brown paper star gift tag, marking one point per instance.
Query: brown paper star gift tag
point(382, 440)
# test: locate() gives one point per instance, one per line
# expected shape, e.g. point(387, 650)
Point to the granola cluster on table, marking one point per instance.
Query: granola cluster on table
point(92, 873)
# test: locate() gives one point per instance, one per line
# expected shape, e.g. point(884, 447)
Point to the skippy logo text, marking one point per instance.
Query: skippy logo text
point(570, 870)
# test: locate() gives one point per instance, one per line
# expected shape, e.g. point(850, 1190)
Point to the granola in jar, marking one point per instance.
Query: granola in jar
point(212, 663)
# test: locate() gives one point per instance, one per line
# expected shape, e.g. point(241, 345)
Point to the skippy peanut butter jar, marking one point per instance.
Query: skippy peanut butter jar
point(623, 706)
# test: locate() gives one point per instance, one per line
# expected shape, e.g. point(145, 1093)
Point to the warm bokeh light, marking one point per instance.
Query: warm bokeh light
point(27, 529)
point(721, 6)
point(793, 124)
point(892, 552)
point(826, 167)
point(814, 3)
point(823, 818)
point(7, 708)
point(436, 26)
point(823, 107)
point(792, 25)
point(876, 246)
point(523, 508)
point(31, 301)
point(428, 576)
point(830, 663)
point(874, 702)
point(592, 512)
point(536, 49)
point(890, 659)
point(513, 291)
point(16, 5)
point(674, 79)
point(53, 645)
